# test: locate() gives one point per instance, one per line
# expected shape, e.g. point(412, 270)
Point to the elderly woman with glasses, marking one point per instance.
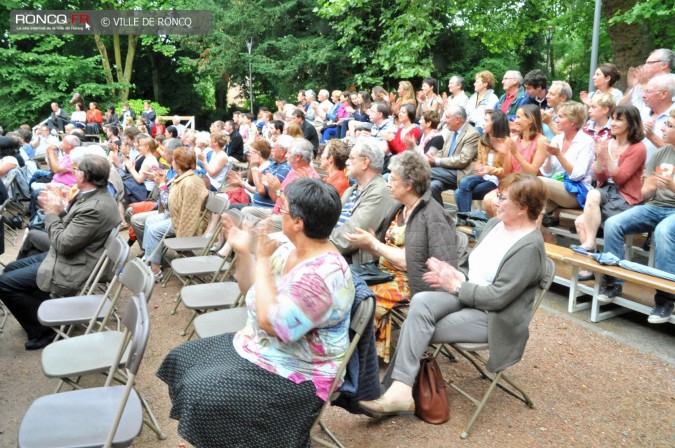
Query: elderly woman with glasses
point(489, 297)
point(279, 367)
point(415, 229)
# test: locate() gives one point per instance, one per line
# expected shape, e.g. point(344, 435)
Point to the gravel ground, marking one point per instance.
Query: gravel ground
point(590, 390)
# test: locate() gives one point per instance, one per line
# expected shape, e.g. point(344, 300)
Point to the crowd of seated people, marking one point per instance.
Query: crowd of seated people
point(526, 155)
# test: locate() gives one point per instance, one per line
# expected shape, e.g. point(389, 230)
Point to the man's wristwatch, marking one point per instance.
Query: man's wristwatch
point(255, 169)
point(457, 289)
point(278, 193)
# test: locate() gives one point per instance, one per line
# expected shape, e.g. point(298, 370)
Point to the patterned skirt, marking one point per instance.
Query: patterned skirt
point(223, 400)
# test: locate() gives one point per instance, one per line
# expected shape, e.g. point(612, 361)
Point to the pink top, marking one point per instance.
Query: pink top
point(67, 178)
point(628, 178)
point(527, 153)
point(292, 175)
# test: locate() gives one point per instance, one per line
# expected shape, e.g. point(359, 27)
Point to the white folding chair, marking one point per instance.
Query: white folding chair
point(103, 416)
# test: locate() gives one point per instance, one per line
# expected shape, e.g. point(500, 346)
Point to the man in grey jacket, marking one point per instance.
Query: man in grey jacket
point(364, 205)
point(78, 230)
point(455, 160)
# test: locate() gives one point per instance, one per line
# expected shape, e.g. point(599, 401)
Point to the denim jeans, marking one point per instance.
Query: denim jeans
point(469, 188)
point(155, 227)
point(644, 218)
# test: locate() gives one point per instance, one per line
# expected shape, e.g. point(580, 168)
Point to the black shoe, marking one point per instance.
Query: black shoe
point(608, 291)
point(550, 221)
point(661, 313)
point(41, 341)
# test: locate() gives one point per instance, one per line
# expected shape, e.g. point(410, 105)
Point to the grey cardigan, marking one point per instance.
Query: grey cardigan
point(509, 299)
point(430, 232)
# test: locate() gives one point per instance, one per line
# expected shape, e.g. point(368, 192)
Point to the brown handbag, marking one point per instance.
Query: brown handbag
point(431, 398)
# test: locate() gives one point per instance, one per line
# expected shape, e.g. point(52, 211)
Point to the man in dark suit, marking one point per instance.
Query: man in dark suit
point(77, 233)
point(58, 118)
point(459, 151)
point(308, 130)
point(236, 146)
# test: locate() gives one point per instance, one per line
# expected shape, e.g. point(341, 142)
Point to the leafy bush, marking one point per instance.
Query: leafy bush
point(137, 106)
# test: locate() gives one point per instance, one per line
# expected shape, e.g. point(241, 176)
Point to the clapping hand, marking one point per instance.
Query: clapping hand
point(443, 275)
point(361, 238)
point(552, 149)
point(266, 245)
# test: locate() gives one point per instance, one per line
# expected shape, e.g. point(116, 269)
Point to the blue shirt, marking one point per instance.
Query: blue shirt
point(280, 171)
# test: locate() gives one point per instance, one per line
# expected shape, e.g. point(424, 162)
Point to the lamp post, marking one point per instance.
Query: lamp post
point(249, 46)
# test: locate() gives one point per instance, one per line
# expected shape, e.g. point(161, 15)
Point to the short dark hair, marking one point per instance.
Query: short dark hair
point(96, 169)
point(24, 135)
point(631, 115)
point(409, 110)
point(8, 146)
point(381, 107)
point(535, 78)
point(431, 82)
point(299, 113)
point(431, 116)
point(610, 70)
point(278, 125)
point(316, 203)
point(172, 130)
point(114, 129)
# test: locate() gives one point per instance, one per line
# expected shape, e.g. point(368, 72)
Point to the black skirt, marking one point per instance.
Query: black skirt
point(223, 400)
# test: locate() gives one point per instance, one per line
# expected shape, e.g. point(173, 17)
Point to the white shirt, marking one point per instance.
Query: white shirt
point(580, 154)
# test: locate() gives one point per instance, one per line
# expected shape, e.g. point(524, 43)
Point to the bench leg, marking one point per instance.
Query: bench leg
point(572, 305)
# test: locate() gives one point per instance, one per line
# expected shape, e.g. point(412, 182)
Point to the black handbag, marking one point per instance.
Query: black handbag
point(371, 273)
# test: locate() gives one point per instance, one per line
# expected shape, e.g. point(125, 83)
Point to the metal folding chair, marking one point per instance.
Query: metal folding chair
point(360, 319)
point(90, 308)
point(94, 353)
point(197, 244)
point(470, 352)
point(219, 322)
point(103, 416)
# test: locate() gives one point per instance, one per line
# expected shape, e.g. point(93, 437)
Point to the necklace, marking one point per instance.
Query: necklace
point(407, 211)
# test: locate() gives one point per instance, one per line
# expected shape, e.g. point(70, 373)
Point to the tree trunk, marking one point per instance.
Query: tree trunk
point(156, 85)
point(107, 70)
point(132, 40)
point(631, 43)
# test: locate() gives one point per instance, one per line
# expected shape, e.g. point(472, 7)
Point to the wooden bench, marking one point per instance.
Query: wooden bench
point(630, 299)
point(632, 245)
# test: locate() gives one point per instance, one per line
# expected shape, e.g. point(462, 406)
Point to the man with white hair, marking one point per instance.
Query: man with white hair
point(366, 204)
point(322, 108)
point(659, 62)
point(658, 97)
point(514, 94)
point(179, 127)
point(310, 113)
point(558, 93)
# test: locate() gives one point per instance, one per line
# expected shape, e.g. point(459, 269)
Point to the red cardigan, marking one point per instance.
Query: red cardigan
point(628, 178)
point(397, 145)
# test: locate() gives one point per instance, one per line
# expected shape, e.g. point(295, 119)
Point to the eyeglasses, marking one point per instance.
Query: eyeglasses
point(653, 62)
point(653, 90)
point(351, 158)
point(501, 198)
point(284, 210)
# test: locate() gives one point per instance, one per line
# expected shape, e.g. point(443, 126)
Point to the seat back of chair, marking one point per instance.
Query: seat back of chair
point(545, 283)
point(118, 252)
point(138, 278)
point(462, 242)
point(137, 321)
point(217, 204)
point(113, 234)
point(104, 259)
